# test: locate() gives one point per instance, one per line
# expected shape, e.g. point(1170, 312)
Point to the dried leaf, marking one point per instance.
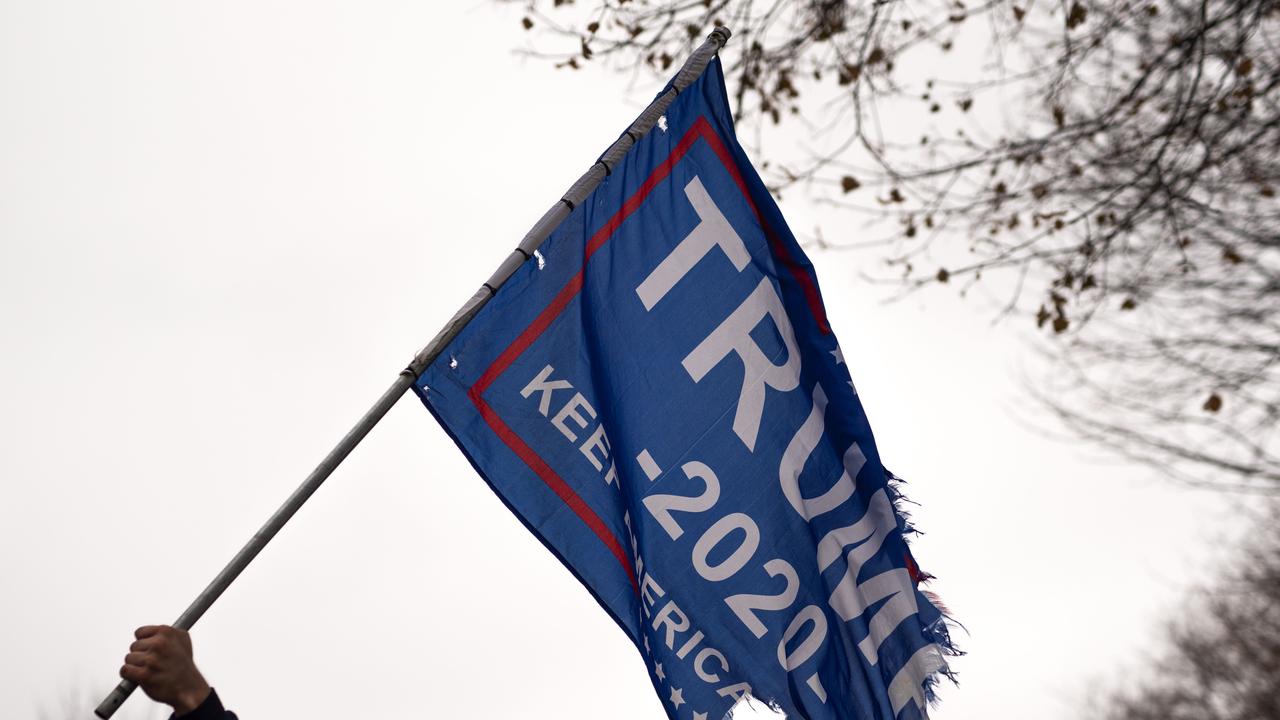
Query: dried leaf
point(849, 183)
point(527, 23)
point(1042, 317)
point(943, 275)
point(1076, 17)
point(1213, 404)
point(848, 73)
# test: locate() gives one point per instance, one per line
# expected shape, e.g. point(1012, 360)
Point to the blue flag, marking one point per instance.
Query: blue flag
point(660, 399)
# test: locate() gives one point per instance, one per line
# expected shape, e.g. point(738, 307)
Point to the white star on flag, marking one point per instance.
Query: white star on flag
point(839, 356)
point(699, 716)
point(646, 643)
point(677, 698)
point(657, 670)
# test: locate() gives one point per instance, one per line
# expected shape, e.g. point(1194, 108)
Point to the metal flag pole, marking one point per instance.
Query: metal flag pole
point(576, 194)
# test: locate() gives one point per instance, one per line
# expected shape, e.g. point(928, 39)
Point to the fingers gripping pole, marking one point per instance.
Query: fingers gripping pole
point(576, 194)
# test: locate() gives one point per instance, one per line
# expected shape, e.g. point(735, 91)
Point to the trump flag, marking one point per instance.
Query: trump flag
point(659, 397)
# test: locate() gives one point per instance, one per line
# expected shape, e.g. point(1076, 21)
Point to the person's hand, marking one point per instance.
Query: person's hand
point(160, 662)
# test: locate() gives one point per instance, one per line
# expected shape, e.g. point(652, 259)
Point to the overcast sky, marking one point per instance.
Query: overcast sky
point(225, 227)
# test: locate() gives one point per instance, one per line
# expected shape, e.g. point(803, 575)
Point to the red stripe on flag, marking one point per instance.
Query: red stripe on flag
point(601, 236)
point(557, 485)
point(807, 285)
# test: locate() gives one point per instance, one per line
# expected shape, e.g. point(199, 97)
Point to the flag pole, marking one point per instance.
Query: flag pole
point(547, 224)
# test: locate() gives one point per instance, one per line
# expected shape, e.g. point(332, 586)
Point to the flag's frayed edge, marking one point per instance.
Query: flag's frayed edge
point(940, 631)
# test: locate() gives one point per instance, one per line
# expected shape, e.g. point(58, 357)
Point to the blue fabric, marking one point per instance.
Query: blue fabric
point(765, 554)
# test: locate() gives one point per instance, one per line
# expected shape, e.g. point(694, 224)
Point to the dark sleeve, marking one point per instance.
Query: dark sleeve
point(210, 709)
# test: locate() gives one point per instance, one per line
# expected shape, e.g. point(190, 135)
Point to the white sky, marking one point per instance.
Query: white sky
point(225, 227)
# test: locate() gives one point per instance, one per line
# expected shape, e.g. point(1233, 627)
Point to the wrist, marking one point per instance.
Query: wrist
point(188, 699)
